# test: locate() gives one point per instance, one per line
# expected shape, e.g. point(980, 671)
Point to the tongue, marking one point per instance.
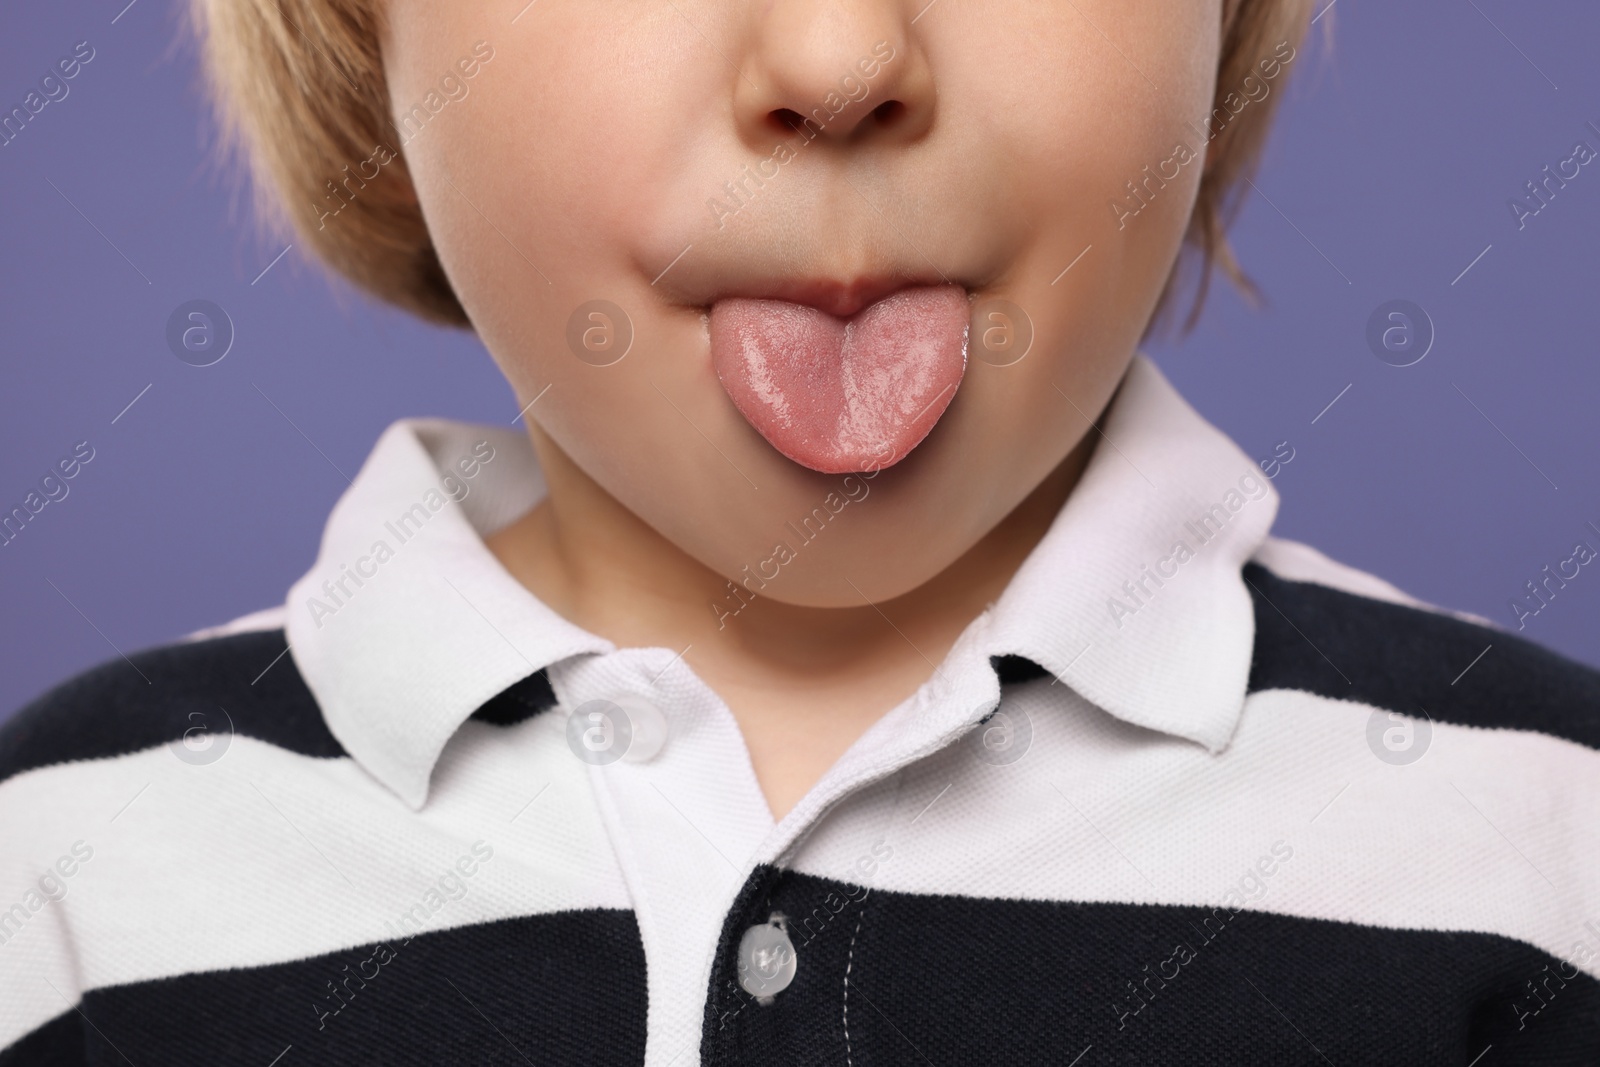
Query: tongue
point(842, 395)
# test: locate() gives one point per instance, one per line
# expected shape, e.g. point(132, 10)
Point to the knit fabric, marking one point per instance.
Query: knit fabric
point(1183, 794)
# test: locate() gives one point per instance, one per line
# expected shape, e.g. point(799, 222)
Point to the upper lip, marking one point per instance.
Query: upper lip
point(840, 298)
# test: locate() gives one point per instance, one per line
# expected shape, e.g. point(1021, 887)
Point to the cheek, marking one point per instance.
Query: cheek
point(536, 190)
point(1123, 105)
point(532, 185)
point(1076, 119)
point(1093, 93)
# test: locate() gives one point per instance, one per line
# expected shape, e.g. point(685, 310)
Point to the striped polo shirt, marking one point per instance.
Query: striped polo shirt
point(1184, 794)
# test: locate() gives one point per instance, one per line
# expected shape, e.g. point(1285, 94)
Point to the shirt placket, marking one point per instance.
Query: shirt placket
point(685, 822)
point(695, 839)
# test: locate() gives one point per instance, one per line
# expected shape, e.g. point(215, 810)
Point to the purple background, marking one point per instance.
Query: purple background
point(1394, 157)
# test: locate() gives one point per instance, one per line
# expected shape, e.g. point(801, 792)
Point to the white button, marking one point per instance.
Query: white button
point(766, 959)
point(648, 725)
point(604, 731)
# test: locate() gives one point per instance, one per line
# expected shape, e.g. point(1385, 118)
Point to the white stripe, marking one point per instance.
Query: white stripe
point(244, 862)
point(1301, 563)
point(265, 619)
point(1101, 811)
point(202, 873)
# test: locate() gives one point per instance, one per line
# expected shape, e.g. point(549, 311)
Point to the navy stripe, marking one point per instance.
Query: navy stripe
point(519, 702)
point(112, 709)
point(882, 978)
point(555, 990)
point(58, 1043)
point(1335, 644)
point(1014, 670)
point(902, 978)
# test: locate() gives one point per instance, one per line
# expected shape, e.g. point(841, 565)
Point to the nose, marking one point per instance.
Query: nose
point(847, 71)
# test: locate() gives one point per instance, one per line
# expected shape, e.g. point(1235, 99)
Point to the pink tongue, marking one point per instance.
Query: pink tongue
point(841, 395)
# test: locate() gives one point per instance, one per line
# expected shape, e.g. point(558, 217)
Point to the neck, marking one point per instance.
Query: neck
point(797, 679)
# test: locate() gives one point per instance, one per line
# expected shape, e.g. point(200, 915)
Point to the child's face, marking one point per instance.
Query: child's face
point(601, 155)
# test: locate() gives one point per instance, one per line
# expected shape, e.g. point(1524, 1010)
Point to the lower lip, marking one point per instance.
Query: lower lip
point(843, 395)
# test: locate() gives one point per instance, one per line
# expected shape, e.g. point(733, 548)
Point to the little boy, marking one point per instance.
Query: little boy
point(863, 657)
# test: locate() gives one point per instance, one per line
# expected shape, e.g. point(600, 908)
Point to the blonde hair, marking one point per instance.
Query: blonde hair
point(300, 94)
point(1252, 30)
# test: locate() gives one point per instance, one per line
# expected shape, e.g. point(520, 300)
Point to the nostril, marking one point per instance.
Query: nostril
point(786, 120)
point(889, 112)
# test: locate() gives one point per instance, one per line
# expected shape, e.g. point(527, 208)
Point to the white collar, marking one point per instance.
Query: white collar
point(1173, 654)
point(435, 626)
point(439, 626)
